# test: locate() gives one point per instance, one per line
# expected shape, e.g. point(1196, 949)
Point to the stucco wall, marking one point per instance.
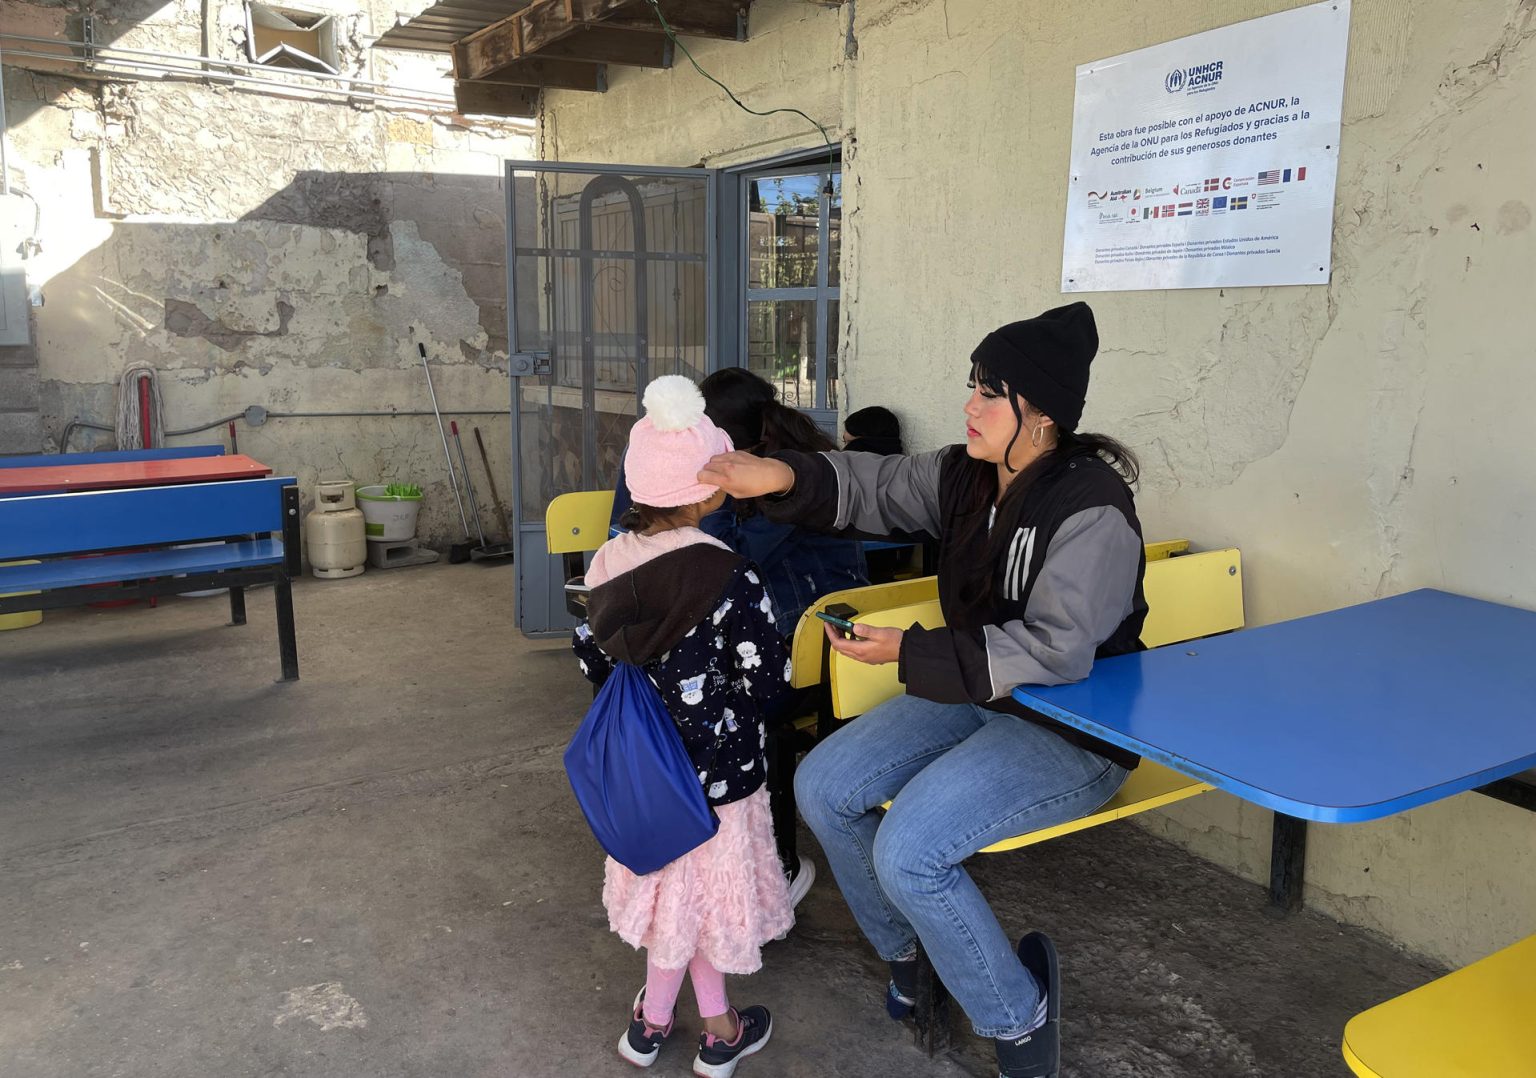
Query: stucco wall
point(1355, 440)
point(795, 59)
point(256, 248)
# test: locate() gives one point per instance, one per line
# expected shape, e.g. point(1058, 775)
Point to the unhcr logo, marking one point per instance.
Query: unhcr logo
point(1193, 79)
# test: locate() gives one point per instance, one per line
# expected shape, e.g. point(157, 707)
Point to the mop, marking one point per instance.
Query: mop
point(139, 422)
point(458, 552)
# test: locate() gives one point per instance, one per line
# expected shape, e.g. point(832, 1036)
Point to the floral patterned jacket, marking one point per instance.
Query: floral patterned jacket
point(699, 622)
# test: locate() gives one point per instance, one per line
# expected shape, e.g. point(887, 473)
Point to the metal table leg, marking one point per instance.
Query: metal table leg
point(1287, 864)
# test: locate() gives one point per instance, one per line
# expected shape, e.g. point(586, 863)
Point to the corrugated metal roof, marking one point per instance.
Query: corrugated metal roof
point(439, 26)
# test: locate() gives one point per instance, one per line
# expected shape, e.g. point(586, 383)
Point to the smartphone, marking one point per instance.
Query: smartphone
point(837, 623)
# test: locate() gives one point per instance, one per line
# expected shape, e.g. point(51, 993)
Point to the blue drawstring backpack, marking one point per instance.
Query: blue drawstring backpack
point(633, 778)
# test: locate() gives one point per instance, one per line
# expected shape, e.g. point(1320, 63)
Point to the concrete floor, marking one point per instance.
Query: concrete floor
point(379, 871)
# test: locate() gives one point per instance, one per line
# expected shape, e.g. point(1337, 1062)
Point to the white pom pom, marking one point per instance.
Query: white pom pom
point(673, 402)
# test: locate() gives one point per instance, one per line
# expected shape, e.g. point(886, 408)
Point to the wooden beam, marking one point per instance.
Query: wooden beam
point(603, 46)
point(555, 74)
point(721, 19)
point(486, 50)
point(536, 71)
point(490, 100)
point(544, 23)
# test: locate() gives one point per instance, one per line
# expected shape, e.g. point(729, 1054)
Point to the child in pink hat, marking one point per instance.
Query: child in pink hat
point(695, 616)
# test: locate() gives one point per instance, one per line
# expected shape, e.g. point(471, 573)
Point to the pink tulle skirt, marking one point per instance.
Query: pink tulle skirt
point(721, 901)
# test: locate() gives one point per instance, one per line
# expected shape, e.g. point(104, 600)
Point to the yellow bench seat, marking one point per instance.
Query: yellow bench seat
point(1478, 1022)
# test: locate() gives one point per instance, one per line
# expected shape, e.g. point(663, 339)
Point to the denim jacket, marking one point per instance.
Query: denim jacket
point(798, 566)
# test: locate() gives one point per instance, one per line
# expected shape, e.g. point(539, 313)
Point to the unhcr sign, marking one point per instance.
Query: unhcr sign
point(1209, 161)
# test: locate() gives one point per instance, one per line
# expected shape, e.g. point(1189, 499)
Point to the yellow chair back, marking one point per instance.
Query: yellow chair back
point(1167, 548)
point(856, 686)
point(1192, 595)
point(1188, 596)
point(578, 522)
point(805, 647)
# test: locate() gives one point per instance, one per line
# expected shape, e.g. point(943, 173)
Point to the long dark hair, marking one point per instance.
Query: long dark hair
point(978, 480)
point(1069, 443)
point(746, 407)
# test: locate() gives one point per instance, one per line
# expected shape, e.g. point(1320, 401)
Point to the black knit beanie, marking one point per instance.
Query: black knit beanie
point(873, 422)
point(1045, 360)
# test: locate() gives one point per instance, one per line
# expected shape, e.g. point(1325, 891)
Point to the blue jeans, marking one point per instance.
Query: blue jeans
point(960, 777)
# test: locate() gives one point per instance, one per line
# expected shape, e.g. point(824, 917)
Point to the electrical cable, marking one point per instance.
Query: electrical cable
point(86, 424)
point(672, 37)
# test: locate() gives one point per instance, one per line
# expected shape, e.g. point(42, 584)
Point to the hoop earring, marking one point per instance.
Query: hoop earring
point(1039, 432)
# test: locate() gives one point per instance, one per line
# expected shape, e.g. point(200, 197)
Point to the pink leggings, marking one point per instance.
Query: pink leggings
point(663, 985)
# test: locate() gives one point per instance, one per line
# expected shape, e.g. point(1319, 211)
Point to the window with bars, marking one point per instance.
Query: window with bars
point(791, 316)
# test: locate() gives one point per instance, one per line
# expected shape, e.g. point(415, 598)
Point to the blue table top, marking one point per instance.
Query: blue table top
point(1340, 717)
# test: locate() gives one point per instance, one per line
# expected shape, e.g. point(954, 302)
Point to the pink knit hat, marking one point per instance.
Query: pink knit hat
point(671, 444)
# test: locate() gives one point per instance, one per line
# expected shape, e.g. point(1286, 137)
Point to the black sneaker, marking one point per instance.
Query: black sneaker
point(1037, 1054)
point(641, 1043)
point(718, 1058)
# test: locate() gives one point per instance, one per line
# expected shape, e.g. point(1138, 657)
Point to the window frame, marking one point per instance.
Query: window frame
point(735, 271)
point(322, 25)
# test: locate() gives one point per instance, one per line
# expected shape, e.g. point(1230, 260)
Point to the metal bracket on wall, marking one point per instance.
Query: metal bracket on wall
point(529, 364)
point(88, 36)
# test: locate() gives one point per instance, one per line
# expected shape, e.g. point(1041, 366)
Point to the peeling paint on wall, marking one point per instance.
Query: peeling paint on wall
point(187, 320)
point(256, 248)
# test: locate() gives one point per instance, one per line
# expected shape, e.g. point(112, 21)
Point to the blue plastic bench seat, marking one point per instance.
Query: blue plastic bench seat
point(152, 541)
point(141, 565)
point(113, 456)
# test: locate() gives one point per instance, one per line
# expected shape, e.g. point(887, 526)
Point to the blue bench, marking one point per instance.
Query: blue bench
point(130, 531)
point(113, 456)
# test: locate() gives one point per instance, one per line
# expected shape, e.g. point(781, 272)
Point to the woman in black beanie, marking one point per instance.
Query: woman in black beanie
point(1039, 572)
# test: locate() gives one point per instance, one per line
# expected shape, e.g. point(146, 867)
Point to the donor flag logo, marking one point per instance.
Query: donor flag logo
point(1193, 80)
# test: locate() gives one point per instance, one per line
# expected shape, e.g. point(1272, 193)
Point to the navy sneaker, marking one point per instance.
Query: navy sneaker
point(901, 990)
point(641, 1043)
point(1037, 1054)
point(718, 1058)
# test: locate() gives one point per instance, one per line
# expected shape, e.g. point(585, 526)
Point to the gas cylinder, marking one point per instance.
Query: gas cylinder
point(334, 532)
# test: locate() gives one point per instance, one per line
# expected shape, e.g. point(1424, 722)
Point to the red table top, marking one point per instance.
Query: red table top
point(143, 473)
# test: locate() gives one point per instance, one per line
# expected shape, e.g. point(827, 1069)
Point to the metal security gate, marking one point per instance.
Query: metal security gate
point(609, 286)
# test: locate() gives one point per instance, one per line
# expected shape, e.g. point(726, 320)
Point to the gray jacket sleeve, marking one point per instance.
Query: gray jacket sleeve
point(861, 492)
point(1084, 591)
point(879, 494)
point(1085, 588)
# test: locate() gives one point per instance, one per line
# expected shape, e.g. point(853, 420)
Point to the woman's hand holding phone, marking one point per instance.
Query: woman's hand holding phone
point(841, 623)
point(870, 644)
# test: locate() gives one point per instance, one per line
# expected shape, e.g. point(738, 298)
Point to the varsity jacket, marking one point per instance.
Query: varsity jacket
point(1065, 584)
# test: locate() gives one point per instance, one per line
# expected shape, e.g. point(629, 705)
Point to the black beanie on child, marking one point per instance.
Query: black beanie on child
point(1045, 359)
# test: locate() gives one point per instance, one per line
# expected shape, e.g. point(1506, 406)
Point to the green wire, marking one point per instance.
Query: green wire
point(672, 36)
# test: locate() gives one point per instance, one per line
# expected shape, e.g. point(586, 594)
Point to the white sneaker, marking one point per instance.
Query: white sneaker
point(800, 882)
